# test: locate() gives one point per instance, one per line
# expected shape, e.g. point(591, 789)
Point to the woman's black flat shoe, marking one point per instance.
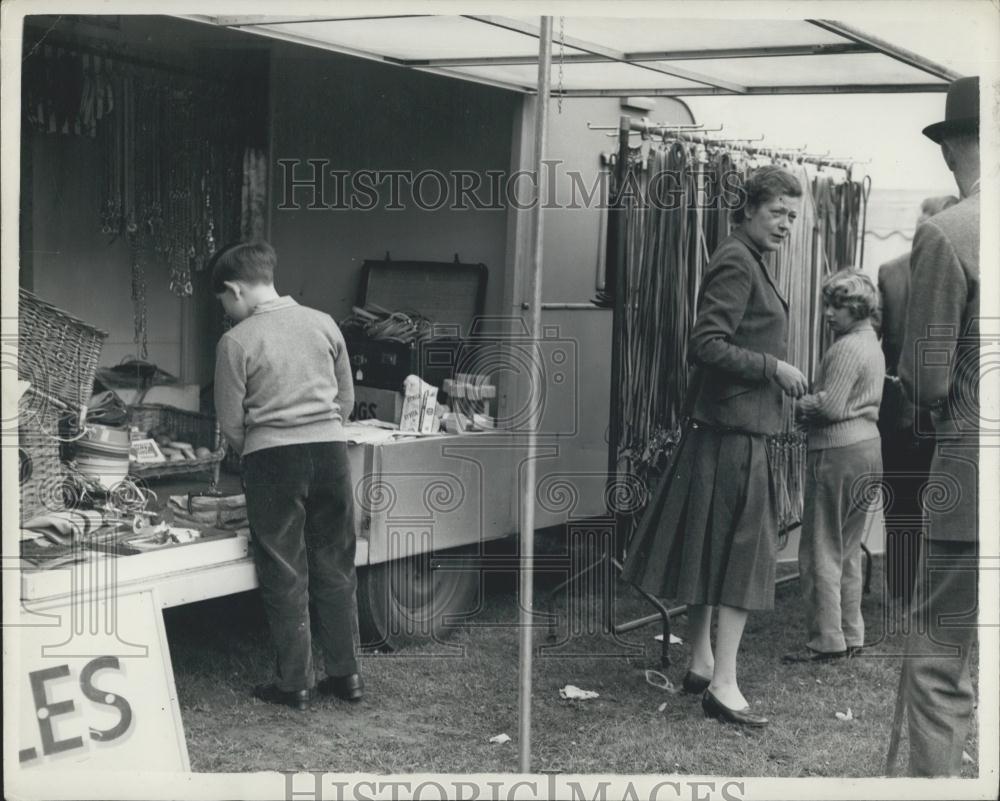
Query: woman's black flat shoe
point(714, 708)
point(694, 684)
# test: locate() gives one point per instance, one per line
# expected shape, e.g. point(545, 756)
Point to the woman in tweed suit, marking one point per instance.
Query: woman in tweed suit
point(708, 537)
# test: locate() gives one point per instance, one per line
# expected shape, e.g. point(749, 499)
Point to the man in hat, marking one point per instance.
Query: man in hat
point(939, 368)
point(906, 449)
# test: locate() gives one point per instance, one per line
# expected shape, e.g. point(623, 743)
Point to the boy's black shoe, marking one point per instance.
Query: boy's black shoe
point(347, 688)
point(296, 699)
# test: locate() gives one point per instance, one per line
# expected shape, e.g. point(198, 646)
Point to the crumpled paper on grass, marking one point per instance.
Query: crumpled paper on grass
point(500, 739)
point(844, 716)
point(661, 682)
point(575, 693)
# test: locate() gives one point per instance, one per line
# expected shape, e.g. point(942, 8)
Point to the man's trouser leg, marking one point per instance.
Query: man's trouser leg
point(937, 688)
point(906, 460)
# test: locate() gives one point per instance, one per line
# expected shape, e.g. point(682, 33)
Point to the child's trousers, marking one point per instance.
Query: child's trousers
point(300, 504)
point(840, 483)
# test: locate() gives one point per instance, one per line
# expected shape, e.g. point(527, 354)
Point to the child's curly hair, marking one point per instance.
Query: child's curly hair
point(854, 290)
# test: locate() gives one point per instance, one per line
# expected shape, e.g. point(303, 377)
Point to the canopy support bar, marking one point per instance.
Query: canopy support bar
point(824, 89)
point(782, 51)
point(899, 53)
point(610, 54)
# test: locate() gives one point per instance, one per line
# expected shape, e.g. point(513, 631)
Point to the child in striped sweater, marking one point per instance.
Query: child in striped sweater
point(844, 469)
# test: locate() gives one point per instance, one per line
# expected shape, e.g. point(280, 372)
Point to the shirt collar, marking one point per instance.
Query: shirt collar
point(283, 302)
point(742, 235)
point(860, 328)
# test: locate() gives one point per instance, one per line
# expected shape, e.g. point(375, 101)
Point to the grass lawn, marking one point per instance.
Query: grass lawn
point(433, 708)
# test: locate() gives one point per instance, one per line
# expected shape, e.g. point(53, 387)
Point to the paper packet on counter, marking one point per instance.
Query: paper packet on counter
point(419, 405)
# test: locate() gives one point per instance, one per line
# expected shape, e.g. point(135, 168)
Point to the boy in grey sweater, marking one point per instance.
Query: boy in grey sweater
point(844, 468)
point(283, 388)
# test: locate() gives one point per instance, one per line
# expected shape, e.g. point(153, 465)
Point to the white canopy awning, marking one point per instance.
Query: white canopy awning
point(617, 56)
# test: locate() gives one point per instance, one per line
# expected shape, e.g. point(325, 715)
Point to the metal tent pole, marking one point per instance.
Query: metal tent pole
point(527, 533)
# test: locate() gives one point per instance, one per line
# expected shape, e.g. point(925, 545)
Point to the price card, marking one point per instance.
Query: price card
point(146, 451)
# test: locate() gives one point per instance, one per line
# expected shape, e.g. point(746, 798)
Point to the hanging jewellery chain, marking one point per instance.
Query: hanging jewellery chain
point(139, 308)
point(562, 43)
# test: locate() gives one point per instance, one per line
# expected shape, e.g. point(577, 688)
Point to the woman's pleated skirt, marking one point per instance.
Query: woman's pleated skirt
point(709, 534)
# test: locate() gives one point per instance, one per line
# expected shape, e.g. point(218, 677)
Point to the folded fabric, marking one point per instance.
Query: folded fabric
point(200, 503)
point(209, 516)
point(214, 522)
point(61, 527)
point(108, 408)
point(227, 512)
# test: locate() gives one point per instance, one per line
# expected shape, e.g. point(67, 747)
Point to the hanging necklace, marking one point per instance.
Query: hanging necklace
point(139, 308)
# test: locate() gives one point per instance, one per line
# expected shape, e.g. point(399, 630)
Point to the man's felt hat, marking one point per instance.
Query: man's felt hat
point(961, 111)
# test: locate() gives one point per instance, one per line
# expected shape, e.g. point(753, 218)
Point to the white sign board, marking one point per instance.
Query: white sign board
point(95, 690)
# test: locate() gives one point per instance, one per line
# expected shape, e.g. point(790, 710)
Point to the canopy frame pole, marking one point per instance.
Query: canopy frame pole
point(901, 54)
point(527, 532)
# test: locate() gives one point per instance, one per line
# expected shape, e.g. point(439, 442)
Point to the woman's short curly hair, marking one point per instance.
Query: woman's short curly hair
point(854, 290)
point(764, 184)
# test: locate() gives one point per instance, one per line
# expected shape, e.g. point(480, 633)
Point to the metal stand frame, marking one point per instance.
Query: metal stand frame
point(662, 612)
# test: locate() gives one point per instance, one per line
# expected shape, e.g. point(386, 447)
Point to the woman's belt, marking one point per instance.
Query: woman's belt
point(695, 423)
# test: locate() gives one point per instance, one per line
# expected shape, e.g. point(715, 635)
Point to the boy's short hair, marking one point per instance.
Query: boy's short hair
point(854, 290)
point(252, 262)
point(764, 184)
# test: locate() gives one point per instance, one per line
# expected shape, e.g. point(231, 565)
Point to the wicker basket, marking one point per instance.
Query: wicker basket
point(197, 429)
point(40, 469)
point(57, 353)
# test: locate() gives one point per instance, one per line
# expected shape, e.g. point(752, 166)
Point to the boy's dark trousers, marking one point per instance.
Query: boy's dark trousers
point(300, 505)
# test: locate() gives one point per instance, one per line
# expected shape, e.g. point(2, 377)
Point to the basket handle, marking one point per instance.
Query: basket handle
point(80, 423)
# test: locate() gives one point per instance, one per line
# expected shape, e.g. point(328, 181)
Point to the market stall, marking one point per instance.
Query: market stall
point(423, 487)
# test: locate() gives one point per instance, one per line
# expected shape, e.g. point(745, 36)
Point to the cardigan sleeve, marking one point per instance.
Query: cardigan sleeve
point(840, 374)
point(723, 303)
